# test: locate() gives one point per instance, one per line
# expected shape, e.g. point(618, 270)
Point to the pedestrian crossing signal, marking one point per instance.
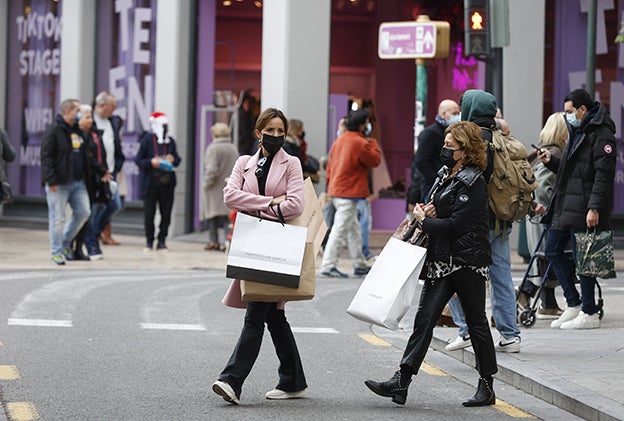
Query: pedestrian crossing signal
point(477, 28)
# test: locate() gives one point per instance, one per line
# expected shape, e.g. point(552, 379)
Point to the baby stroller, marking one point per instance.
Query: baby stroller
point(527, 315)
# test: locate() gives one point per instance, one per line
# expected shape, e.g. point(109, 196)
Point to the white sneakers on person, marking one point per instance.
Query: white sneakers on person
point(459, 343)
point(583, 321)
point(569, 313)
point(226, 392)
point(508, 345)
point(282, 394)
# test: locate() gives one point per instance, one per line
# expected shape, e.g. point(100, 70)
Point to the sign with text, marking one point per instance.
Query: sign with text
point(399, 40)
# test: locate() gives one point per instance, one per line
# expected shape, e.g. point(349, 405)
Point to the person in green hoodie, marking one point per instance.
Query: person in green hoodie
point(480, 107)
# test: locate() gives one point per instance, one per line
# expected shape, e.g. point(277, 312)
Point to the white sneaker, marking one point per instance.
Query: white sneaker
point(225, 391)
point(583, 321)
point(569, 313)
point(508, 345)
point(459, 343)
point(282, 394)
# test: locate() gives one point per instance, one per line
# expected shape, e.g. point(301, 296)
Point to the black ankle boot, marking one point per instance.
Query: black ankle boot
point(394, 388)
point(485, 393)
point(78, 253)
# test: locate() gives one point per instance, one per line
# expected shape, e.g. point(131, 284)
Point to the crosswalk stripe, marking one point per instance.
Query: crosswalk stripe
point(21, 411)
point(171, 326)
point(40, 322)
point(314, 330)
point(9, 372)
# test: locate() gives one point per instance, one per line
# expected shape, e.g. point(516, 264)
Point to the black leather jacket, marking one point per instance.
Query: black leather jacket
point(459, 234)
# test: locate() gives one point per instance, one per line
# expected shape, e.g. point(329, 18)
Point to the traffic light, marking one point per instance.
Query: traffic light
point(477, 28)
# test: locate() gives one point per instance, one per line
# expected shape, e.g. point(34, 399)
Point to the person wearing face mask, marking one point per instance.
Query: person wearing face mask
point(458, 256)
point(582, 199)
point(264, 184)
point(156, 159)
point(64, 173)
point(426, 162)
point(350, 158)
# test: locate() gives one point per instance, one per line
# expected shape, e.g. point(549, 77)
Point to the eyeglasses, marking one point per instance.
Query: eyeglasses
point(260, 170)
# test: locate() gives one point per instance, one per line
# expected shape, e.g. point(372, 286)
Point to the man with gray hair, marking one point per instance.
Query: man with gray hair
point(64, 171)
point(105, 104)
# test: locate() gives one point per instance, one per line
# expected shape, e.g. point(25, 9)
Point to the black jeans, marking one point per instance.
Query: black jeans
point(290, 371)
point(163, 196)
point(470, 288)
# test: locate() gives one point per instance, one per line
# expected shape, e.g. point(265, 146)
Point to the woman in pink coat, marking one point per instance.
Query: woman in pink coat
point(258, 185)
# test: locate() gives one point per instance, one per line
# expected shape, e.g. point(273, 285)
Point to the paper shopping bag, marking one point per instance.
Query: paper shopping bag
point(255, 291)
point(266, 251)
point(594, 254)
point(311, 217)
point(388, 290)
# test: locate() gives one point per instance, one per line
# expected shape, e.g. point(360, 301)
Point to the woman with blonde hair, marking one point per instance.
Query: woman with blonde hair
point(552, 137)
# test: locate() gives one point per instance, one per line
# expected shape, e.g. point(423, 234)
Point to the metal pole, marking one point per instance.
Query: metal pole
point(421, 90)
point(590, 81)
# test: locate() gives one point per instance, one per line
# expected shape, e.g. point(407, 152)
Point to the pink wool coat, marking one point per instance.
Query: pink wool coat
point(285, 177)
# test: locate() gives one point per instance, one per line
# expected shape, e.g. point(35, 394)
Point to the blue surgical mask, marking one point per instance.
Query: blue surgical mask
point(453, 119)
point(369, 129)
point(572, 120)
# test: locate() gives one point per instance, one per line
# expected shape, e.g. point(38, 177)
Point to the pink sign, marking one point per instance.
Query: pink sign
point(407, 40)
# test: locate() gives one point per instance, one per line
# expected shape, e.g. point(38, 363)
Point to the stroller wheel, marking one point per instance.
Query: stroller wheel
point(527, 317)
point(600, 314)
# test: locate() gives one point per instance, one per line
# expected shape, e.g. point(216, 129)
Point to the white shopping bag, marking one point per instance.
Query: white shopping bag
point(388, 290)
point(266, 251)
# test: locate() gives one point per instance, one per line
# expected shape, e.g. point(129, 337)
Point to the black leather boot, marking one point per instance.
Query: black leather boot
point(394, 388)
point(485, 393)
point(78, 253)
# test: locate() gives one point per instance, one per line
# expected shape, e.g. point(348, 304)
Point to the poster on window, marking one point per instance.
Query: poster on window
point(33, 72)
point(125, 63)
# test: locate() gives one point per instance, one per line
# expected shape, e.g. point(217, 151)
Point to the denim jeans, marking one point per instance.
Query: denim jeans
point(75, 194)
point(346, 229)
point(364, 216)
point(290, 371)
point(565, 271)
point(101, 215)
point(502, 294)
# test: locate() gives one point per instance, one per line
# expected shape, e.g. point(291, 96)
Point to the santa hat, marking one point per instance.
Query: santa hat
point(158, 117)
point(157, 120)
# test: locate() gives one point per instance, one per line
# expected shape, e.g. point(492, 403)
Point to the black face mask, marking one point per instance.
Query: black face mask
point(446, 156)
point(272, 144)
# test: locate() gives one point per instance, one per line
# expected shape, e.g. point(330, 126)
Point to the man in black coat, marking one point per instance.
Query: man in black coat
point(583, 199)
point(65, 170)
point(426, 162)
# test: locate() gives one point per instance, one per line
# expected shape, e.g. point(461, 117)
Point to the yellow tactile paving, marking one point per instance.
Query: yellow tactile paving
point(9, 372)
point(21, 411)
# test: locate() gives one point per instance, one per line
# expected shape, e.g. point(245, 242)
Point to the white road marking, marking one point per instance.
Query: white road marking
point(171, 326)
point(40, 322)
point(314, 330)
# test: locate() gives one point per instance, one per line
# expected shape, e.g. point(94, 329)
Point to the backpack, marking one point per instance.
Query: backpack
point(512, 182)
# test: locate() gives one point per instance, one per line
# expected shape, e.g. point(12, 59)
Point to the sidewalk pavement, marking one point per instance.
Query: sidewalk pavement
point(579, 371)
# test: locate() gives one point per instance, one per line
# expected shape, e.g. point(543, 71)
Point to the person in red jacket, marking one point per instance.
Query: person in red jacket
point(350, 158)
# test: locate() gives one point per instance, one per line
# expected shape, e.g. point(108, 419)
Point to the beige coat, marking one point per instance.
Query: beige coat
point(219, 160)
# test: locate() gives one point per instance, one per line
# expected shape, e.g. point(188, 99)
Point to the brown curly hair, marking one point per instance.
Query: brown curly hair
point(468, 137)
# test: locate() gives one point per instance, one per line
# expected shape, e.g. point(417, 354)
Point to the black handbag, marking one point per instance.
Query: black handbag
point(102, 193)
point(6, 195)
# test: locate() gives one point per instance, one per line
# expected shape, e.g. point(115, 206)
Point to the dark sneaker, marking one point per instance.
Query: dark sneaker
point(361, 271)
point(334, 273)
point(161, 246)
point(95, 254)
point(58, 259)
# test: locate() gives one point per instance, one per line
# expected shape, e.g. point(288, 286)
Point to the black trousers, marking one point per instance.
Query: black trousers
point(163, 196)
point(470, 288)
point(290, 371)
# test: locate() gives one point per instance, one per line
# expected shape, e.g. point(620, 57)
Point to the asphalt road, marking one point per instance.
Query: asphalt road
point(140, 345)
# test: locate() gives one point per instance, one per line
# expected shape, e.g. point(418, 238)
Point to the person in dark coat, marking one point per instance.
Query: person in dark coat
point(65, 171)
point(583, 199)
point(458, 257)
point(156, 159)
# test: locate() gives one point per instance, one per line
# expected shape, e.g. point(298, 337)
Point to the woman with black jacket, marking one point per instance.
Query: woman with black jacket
point(458, 257)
